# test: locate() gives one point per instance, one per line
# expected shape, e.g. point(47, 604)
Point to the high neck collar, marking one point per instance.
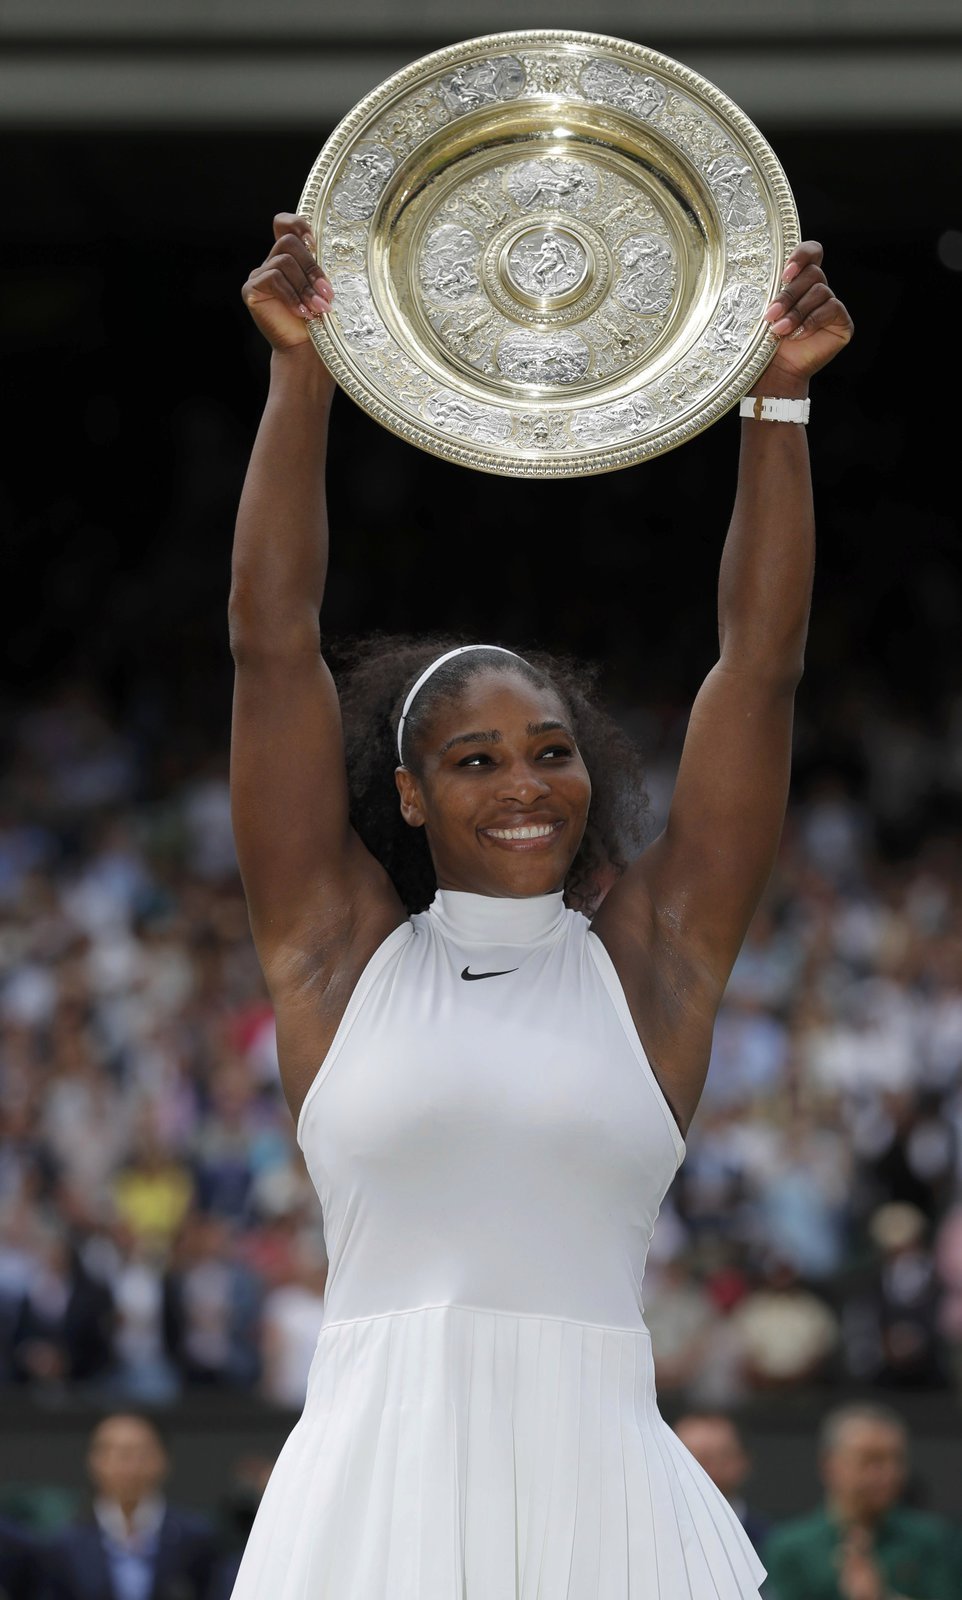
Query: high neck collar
point(490, 919)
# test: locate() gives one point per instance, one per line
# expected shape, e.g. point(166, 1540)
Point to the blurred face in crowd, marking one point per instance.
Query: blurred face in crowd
point(126, 1460)
point(715, 1445)
point(865, 1468)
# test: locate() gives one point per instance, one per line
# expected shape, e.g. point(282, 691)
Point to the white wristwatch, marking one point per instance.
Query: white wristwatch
point(774, 408)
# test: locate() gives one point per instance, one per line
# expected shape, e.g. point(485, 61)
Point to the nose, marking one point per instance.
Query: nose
point(522, 783)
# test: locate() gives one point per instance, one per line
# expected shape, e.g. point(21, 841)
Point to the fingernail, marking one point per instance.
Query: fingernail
point(783, 325)
point(303, 311)
point(791, 271)
point(319, 304)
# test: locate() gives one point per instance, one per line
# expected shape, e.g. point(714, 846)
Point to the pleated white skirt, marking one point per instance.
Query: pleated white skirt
point(450, 1453)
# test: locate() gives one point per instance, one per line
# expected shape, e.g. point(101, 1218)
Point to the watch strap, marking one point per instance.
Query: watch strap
point(774, 408)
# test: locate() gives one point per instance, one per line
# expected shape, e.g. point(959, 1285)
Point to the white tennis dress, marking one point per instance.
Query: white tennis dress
point(490, 1148)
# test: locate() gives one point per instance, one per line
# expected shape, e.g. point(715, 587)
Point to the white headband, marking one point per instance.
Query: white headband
point(415, 690)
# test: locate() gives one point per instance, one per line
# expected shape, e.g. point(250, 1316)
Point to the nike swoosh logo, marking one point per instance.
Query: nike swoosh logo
point(472, 977)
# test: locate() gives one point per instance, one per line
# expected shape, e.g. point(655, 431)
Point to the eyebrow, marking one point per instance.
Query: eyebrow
point(494, 736)
point(491, 736)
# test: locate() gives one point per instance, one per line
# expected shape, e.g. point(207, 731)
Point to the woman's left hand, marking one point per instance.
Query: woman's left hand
point(811, 325)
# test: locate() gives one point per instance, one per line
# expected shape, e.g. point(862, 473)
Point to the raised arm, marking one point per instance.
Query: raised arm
point(681, 912)
point(318, 902)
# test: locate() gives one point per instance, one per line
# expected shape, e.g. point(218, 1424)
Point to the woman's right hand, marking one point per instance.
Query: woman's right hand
point(288, 288)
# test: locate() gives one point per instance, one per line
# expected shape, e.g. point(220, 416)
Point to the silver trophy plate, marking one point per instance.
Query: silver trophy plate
point(550, 252)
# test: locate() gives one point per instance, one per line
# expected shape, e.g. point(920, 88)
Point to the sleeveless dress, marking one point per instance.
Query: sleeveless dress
point(490, 1148)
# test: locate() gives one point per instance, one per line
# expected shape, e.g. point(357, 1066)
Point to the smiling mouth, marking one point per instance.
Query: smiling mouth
point(528, 833)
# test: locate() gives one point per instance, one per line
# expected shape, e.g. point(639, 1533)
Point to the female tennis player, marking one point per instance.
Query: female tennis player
point(494, 1017)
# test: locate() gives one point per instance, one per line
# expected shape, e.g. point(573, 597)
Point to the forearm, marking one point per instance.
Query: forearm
point(767, 566)
point(279, 561)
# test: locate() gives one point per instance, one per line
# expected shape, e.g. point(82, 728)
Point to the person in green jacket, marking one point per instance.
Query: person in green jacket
point(863, 1543)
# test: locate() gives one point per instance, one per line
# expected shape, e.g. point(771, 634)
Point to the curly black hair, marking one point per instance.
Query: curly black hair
point(374, 675)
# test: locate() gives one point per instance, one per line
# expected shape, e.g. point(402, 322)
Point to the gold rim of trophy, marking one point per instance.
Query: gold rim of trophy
point(550, 252)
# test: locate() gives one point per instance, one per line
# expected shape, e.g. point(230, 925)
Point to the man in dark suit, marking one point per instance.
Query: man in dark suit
point(717, 1445)
point(135, 1546)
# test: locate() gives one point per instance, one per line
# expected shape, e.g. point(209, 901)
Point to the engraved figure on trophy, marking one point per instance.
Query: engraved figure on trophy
point(359, 190)
point(449, 263)
point(345, 252)
point(465, 419)
point(528, 357)
point(647, 281)
point(412, 120)
point(541, 430)
point(608, 424)
point(559, 184)
point(739, 309)
point(357, 317)
point(482, 83)
point(546, 74)
point(612, 84)
point(547, 262)
point(734, 187)
point(407, 380)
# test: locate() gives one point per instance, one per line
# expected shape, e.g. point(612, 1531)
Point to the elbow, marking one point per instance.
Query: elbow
point(773, 658)
point(244, 625)
point(779, 675)
point(258, 633)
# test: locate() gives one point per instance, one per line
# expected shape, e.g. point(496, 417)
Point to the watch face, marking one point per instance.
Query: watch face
point(550, 252)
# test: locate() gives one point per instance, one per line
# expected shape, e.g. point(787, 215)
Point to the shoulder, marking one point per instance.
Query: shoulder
point(83, 1531)
point(179, 1523)
point(789, 1539)
point(925, 1528)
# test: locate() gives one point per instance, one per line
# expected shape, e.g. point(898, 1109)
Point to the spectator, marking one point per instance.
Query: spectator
point(235, 1139)
point(212, 1303)
point(136, 1543)
point(154, 1189)
point(290, 1323)
point(681, 1320)
point(786, 1331)
point(863, 1543)
point(891, 1329)
point(142, 1371)
point(61, 1330)
point(717, 1445)
point(906, 1299)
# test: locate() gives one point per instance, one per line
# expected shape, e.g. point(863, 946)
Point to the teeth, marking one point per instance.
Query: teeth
point(521, 833)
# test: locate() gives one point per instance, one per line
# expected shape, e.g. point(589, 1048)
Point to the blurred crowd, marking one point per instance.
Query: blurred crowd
point(158, 1230)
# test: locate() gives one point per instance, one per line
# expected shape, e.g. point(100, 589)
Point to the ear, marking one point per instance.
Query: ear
point(407, 787)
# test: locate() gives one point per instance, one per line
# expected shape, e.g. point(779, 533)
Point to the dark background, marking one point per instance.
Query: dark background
point(135, 380)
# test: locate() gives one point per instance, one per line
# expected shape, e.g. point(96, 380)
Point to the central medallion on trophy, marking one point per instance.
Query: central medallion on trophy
point(545, 266)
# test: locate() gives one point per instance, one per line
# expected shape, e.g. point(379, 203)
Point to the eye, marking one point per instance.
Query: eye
point(556, 750)
point(480, 758)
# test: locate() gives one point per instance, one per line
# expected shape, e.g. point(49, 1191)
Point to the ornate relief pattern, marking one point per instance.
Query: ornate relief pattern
point(522, 230)
point(368, 169)
point(481, 83)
